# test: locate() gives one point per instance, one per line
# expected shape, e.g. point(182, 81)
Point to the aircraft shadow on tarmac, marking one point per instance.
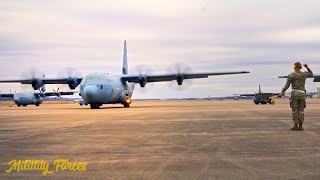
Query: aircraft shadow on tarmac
point(140, 107)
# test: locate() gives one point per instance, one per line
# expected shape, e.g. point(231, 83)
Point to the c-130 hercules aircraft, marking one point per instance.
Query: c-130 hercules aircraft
point(33, 98)
point(97, 89)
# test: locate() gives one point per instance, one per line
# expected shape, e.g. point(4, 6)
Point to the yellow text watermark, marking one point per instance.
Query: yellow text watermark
point(44, 166)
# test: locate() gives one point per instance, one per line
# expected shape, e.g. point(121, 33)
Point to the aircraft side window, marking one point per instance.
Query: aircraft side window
point(101, 86)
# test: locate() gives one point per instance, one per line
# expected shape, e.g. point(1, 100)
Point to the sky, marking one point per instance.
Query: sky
point(264, 37)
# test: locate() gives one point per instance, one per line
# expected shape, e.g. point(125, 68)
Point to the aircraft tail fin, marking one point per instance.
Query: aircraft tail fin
point(125, 62)
point(259, 89)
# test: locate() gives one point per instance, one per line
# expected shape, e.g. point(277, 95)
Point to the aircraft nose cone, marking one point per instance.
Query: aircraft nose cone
point(90, 91)
point(16, 100)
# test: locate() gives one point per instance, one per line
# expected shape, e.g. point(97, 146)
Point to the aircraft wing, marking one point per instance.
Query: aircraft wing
point(247, 94)
point(55, 93)
point(36, 83)
point(7, 95)
point(170, 77)
point(44, 80)
point(58, 94)
point(316, 77)
point(274, 94)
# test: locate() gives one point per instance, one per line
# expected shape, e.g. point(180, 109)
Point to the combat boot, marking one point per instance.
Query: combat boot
point(300, 127)
point(295, 127)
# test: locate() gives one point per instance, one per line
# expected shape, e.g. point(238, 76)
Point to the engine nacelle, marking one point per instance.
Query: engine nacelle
point(73, 83)
point(37, 83)
point(179, 79)
point(143, 81)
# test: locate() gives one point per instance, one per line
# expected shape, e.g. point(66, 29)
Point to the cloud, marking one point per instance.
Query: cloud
point(297, 35)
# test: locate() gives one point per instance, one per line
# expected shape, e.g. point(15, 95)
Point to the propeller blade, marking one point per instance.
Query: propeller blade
point(180, 68)
point(143, 70)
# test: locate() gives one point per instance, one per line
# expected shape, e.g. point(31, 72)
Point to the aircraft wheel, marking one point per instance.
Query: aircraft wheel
point(19, 105)
point(94, 106)
point(126, 105)
point(24, 105)
point(37, 104)
point(256, 103)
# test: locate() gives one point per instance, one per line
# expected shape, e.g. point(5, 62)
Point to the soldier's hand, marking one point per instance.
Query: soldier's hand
point(281, 94)
point(305, 65)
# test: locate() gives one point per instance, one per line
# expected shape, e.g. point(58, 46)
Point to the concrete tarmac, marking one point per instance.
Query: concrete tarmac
point(163, 140)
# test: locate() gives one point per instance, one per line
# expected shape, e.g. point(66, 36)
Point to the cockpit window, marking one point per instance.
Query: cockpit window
point(90, 79)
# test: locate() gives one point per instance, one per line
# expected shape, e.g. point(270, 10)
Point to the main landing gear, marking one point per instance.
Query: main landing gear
point(95, 106)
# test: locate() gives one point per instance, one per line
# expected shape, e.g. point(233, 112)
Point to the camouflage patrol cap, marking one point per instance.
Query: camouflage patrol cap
point(297, 65)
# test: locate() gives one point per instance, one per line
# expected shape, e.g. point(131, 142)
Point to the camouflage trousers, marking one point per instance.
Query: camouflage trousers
point(298, 104)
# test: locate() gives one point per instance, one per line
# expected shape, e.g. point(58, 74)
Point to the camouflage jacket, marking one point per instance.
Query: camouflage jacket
point(297, 80)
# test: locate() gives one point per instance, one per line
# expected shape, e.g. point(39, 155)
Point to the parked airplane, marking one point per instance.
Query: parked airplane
point(33, 98)
point(316, 77)
point(310, 94)
point(262, 98)
point(97, 89)
point(234, 97)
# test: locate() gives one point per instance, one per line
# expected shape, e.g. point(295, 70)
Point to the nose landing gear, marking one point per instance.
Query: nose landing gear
point(127, 102)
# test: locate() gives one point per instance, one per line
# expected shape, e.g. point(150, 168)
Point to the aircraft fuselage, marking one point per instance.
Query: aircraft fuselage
point(25, 99)
point(101, 88)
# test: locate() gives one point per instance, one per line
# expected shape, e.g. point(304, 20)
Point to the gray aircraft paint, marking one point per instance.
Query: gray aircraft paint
point(105, 89)
point(24, 99)
point(33, 98)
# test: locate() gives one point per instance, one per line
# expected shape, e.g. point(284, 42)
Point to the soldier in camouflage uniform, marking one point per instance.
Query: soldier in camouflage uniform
point(297, 81)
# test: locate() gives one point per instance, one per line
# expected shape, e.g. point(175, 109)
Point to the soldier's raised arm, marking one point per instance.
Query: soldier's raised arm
point(309, 73)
